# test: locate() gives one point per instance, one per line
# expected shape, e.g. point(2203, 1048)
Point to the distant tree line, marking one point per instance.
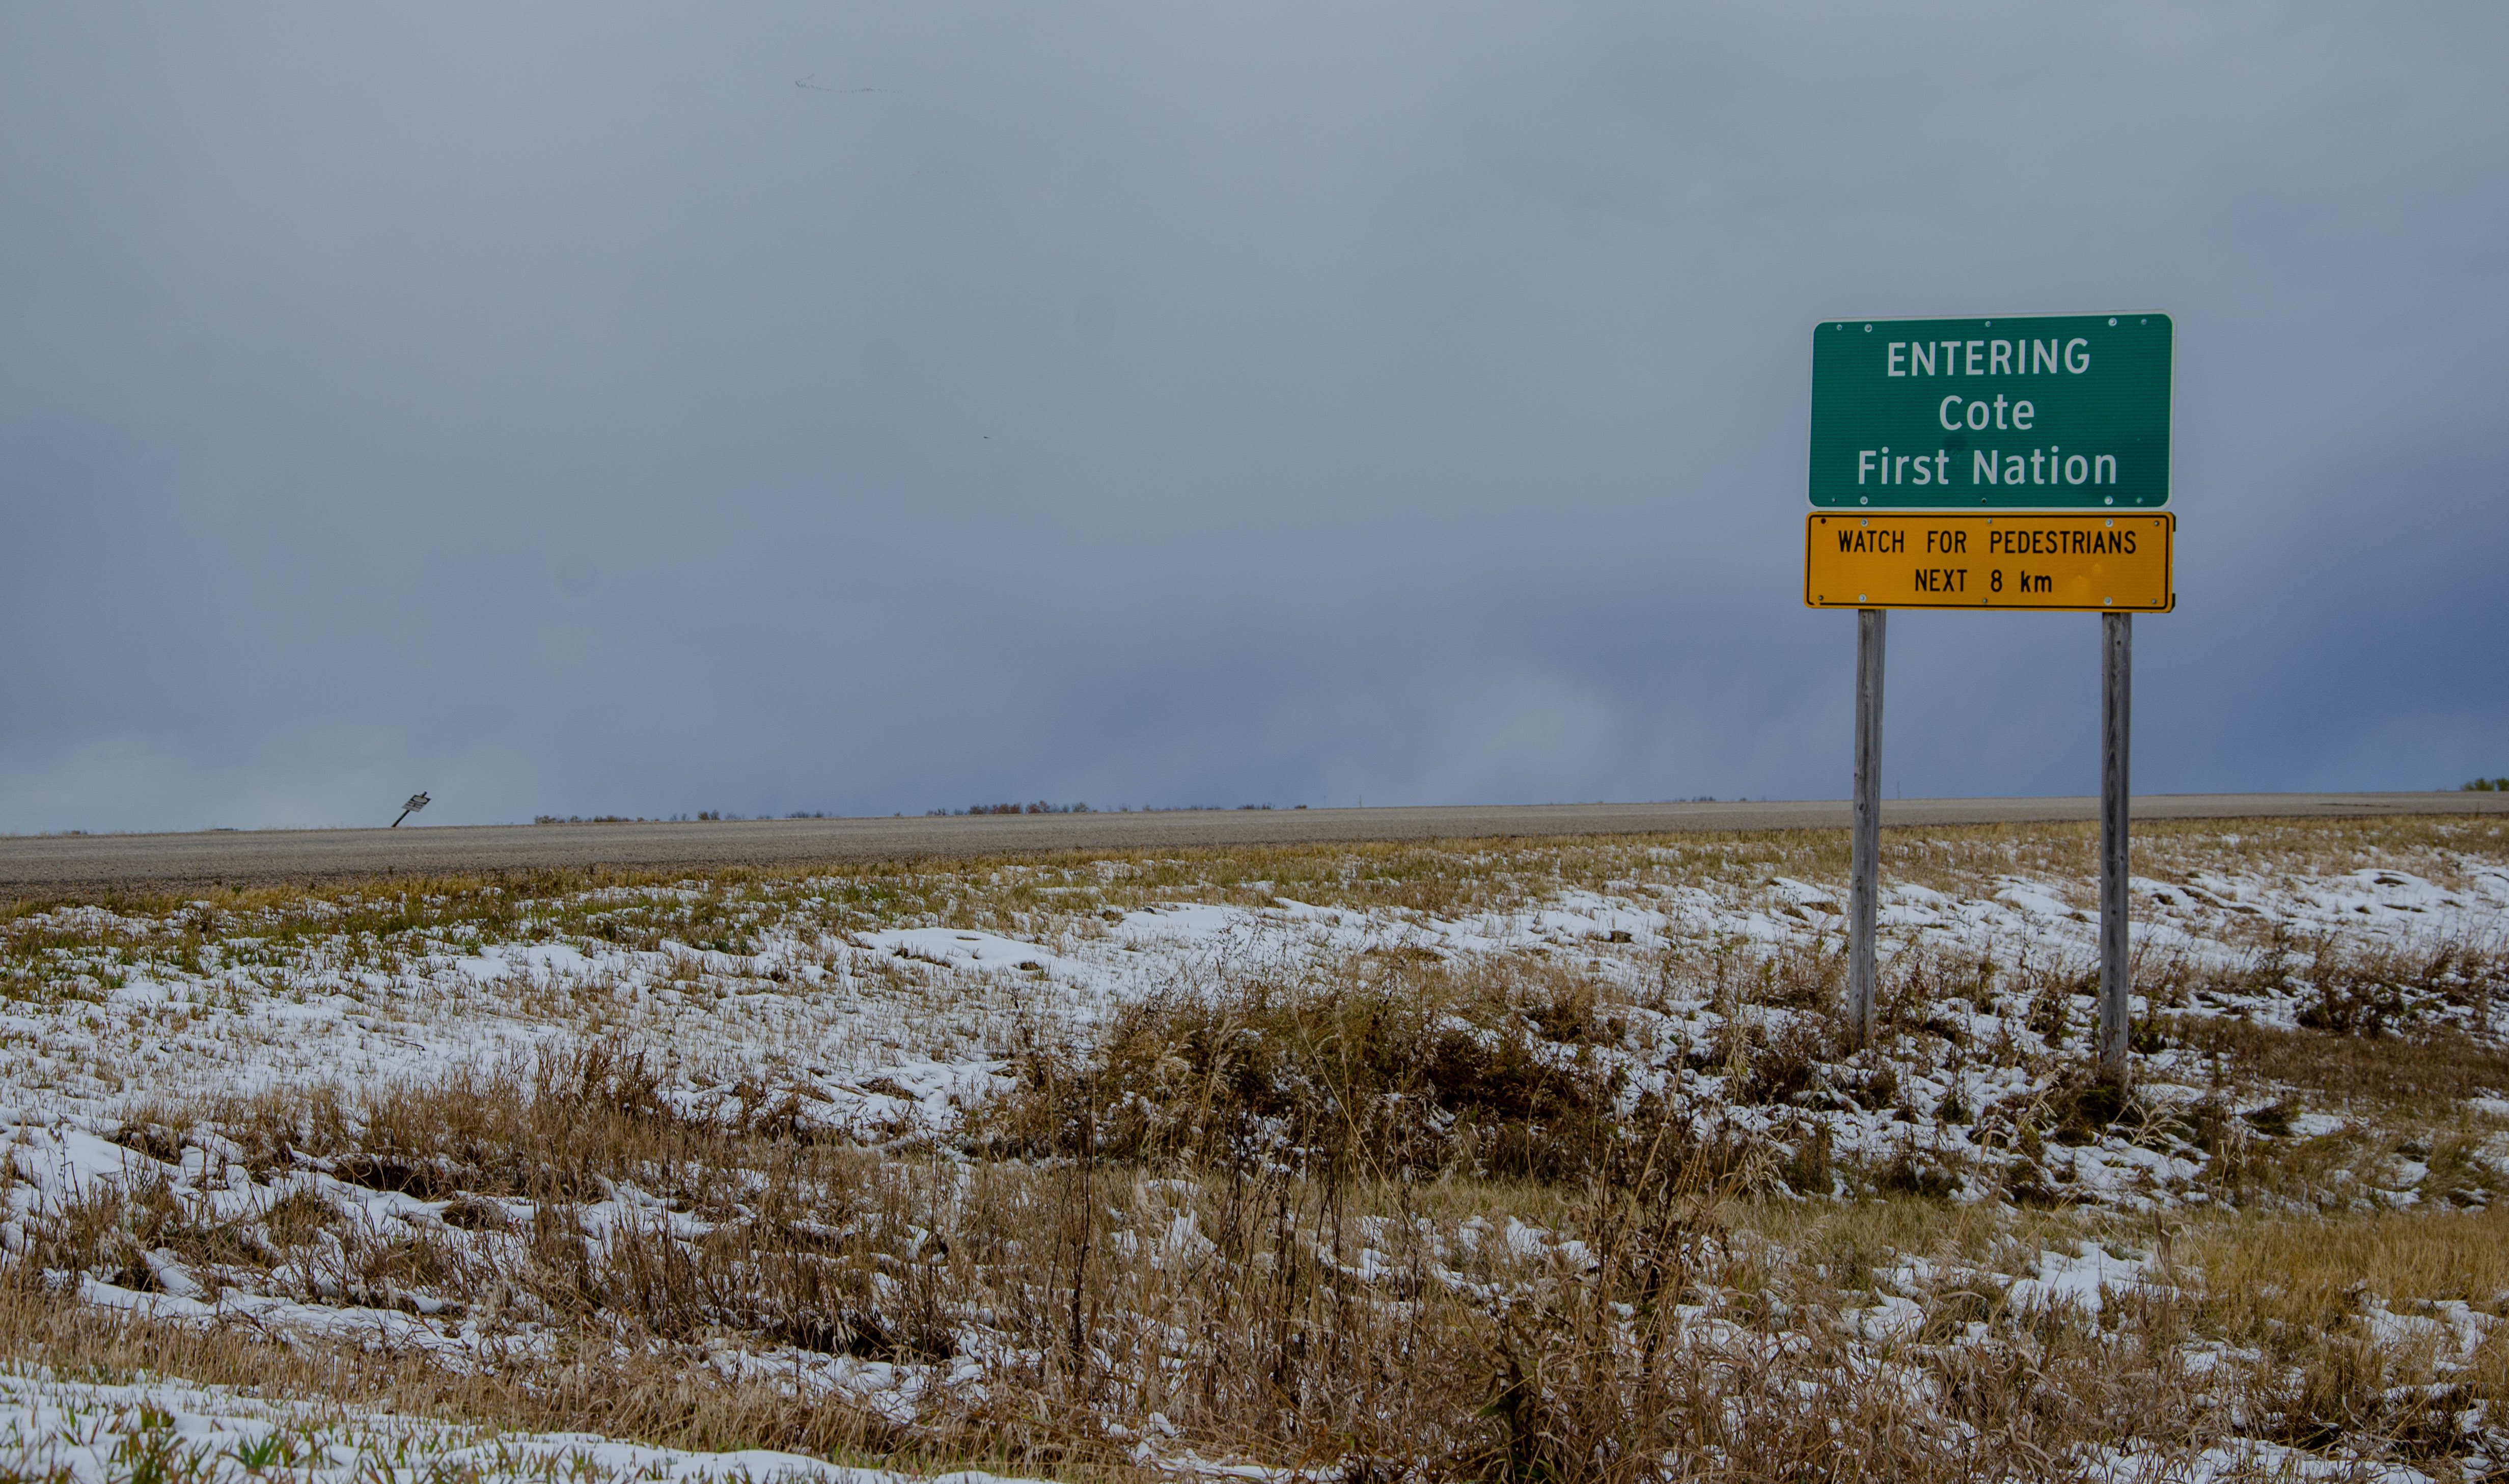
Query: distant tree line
point(666, 819)
point(1042, 808)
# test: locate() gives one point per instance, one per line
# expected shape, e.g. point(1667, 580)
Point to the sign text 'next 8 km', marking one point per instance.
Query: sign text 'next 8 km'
point(2013, 413)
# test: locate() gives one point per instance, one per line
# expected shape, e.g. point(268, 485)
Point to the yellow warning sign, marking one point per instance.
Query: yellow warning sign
point(2099, 564)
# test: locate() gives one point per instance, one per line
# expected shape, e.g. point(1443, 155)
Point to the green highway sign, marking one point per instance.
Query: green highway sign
point(2018, 411)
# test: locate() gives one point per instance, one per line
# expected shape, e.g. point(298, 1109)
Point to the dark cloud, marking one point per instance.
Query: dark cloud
point(562, 411)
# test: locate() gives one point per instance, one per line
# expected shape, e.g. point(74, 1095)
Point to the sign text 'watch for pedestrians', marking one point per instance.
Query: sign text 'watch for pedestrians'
point(2013, 413)
point(2100, 564)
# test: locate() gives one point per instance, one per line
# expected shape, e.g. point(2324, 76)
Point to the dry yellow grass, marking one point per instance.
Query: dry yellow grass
point(1389, 1220)
point(1655, 1315)
point(1443, 878)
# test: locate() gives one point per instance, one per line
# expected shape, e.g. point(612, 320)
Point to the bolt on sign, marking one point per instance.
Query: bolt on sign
point(2099, 564)
point(2018, 411)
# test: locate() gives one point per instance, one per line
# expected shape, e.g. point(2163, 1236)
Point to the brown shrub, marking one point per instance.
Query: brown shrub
point(1417, 1069)
point(2424, 1072)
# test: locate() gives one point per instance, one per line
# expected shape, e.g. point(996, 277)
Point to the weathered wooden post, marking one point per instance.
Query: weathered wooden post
point(2117, 706)
point(1864, 868)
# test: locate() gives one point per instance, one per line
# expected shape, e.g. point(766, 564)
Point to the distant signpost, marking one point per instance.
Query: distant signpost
point(2037, 448)
point(2031, 412)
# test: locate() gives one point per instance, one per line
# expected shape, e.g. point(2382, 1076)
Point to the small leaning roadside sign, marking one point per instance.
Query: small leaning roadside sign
point(2015, 463)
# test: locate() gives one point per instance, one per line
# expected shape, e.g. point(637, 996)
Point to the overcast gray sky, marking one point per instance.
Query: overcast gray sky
point(574, 409)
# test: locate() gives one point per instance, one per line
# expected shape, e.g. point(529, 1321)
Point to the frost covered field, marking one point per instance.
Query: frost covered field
point(1513, 1160)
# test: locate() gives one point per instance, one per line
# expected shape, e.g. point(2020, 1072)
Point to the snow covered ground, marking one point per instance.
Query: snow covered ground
point(891, 1030)
point(888, 1025)
point(163, 1430)
point(927, 1010)
point(87, 1433)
